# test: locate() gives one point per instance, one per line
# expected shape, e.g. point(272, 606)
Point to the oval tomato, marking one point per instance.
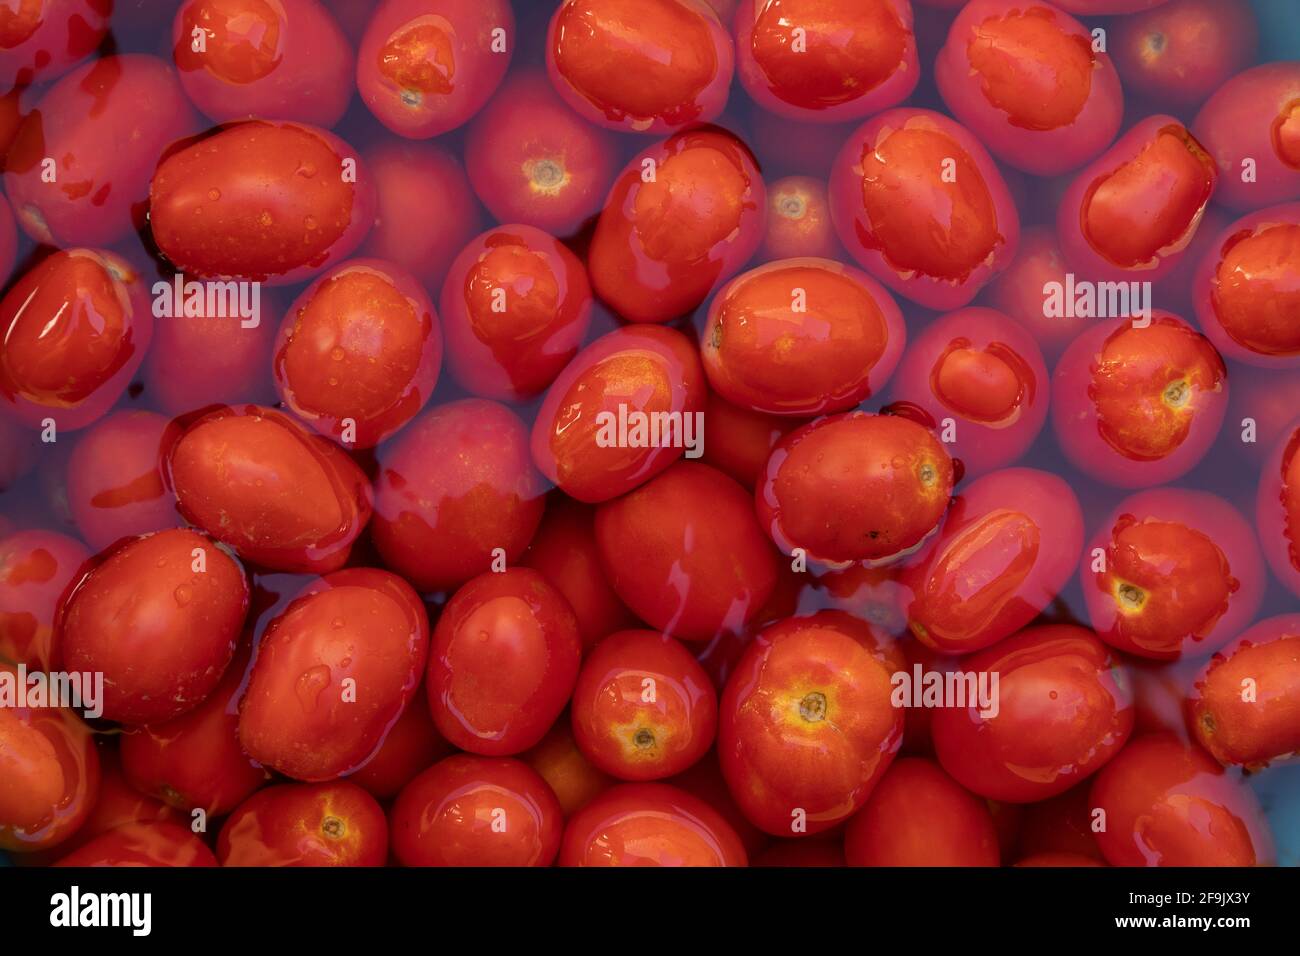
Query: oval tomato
point(306, 824)
point(409, 747)
point(565, 769)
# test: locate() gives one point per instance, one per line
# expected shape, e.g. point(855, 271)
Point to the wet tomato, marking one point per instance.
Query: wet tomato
point(565, 769)
point(1277, 508)
point(306, 824)
point(799, 221)
point(37, 571)
point(411, 745)
point(41, 39)
point(1060, 825)
point(740, 440)
point(151, 844)
point(1021, 292)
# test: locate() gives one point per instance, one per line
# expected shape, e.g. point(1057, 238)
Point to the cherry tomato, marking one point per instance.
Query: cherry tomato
point(799, 221)
point(1060, 826)
point(565, 769)
point(155, 844)
point(477, 811)
point(1019, 292)
point(1277, 508)
point(411, 745)
point(37, 571)
point(42, 39)
point(306, 824)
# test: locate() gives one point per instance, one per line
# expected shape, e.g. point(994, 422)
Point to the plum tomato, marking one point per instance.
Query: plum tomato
point(619, 413)
point(532, 161)
point(643, 708)
point(826, 61)
point(160, 618)
point(1251, 128)
point(799, 221)
point(643, 66)
point(685, 552)
point(424, 67)
point(1247, 289)
point(37, 571)
point(76, 327)
point(409, 747)
point(1026, 79)
point(1245, 705)
point(504, 660)
point(1062, 706)
point(1167, 803)
point(806, 726)
point(103, 126)
point(801, 337)
point(683, 217)
point(271, 202)
point(50, 777)
point(117, 804)
point(1138, 405)
point(271, 59)
point(1131, 213)
point(306, 824)
point(918, 816)
point(1172, 572)
point(872, 594)
point(855, 487)
point(281, 497)
point(1060, 825)
point(649, 824)
point(1019, 292)
point(149, 844)
point(1277, 508)
point(1010, 543)
point(918, 201)
point(456, 490)
point(565, 768)
point(515, 307)
point(41, 39)
point(740, 440)
point(468, 810)
point(983, 373)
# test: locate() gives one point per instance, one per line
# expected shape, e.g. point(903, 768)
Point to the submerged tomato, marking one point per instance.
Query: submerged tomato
point(40, 39)
point(150, 844)
point(411, 745)
point(1022, 292)
point(306, 824)
point(799, 221)
point(1277, 508)
point(740, 440)
point(38, 570)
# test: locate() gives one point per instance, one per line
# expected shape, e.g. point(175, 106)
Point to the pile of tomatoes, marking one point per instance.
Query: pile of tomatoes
point(682, 432)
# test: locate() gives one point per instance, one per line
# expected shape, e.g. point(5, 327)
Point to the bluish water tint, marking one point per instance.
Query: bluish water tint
point(1279, 29)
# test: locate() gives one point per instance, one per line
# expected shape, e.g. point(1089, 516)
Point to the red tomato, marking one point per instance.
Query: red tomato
point(41, 39)
point(806, 726)
point(411, 745)
point(333, 673)
point(261, 201)
point(1061, 708)
point(649, 824)
point(1269, 399)
point(564, 768)
point(281, 497)
point(741, 441)
point(1009, 545)
point(855, 486)
point(477, 811)
point(1025, 78)
point(37, 571)
point(799, 221)
point(1277, 508)
point(826, 61)
point(1060, 826)
point(282, 60)
point(504, 660)
point(104, 126)
point(153, 844)
point(644, 66)
point(984, 374)
point(426, 66)
point(454, 491)
point(1019, 292)
point(917, 816)
point(684, 216)
point(533, 161)
point(802, 853)
point(76, 328)
point(1058, 860)
point(1135, 405)
point(872, 594)
point(639, 376)
point(306, 824)
point(8, 235)
point(921, 205)
point(516, 306)
point(1167, 803)
point(160, 618)
point(1172, 572)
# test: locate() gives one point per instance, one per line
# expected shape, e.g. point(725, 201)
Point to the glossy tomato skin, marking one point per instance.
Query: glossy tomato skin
point(854, 487)
point(801, 337)
point(358, 353)
point(806, 727)
point(1015, 534)
point(424, 68)
point(411, 745)
point(288, 60)
point(44, 39)
point(642, 67)
point(477, 704)
point(1167, 803)
point(799, 221)
point(853, 58)
point(306, 824)
point(77, 326)
point(685, 553)
point(1182, 574)
point(1062, 708)
point(259, 482)
point(149, 844)
point(1135, 406)
point(468, 810)
point(933, 239)
point(1019, 292)
point(333, 673)
point(984, 373)
point(897, 827)
point(565, 768)
point(276, 202)
point(649, 824)
point(38, 569)
point(516, 306)
point(1025, 78)
point(644, 370)
point(457, 485)
point(1277, 508)
point(682, 217)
